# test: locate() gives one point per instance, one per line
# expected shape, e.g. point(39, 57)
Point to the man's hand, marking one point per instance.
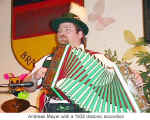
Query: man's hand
point(34, 78)
point(39, 73)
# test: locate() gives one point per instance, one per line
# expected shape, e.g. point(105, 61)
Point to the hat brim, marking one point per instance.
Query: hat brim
point(82, 25)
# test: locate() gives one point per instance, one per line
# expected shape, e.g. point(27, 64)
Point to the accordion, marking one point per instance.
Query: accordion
point(84, 80)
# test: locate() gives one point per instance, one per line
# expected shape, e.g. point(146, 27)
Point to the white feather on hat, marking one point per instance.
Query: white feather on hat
point(79, 10)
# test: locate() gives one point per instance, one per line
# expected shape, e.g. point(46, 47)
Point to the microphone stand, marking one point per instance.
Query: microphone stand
point(12, 87)
point(25, 84)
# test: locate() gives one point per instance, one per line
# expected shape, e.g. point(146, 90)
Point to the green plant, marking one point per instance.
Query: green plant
point(112, 56)
point(144, 60)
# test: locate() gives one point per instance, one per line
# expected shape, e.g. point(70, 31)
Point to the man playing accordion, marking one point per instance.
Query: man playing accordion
point(71, 30)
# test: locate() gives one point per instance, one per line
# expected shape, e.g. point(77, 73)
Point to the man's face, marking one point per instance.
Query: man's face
point(67, 33)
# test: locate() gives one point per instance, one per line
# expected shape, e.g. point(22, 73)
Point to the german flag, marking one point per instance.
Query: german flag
point(32, 36)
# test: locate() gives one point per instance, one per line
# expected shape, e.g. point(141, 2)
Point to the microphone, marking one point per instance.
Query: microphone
point(25, 84)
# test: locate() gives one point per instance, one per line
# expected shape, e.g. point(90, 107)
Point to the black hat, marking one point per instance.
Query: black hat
point(70, 17)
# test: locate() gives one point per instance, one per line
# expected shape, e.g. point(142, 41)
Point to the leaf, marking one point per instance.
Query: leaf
point(144, 59)
point(144, 75)
point(131, 53)
point(129, 37)
point(140, 41)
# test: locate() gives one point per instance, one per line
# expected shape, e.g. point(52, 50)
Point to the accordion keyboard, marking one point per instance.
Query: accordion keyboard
point(87, 82)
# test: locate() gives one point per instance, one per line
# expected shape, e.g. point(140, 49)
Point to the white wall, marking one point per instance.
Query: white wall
point(127, 15)
point(8, 62)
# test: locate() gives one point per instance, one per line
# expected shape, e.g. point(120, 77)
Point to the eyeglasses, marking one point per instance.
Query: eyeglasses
point(66, 29)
